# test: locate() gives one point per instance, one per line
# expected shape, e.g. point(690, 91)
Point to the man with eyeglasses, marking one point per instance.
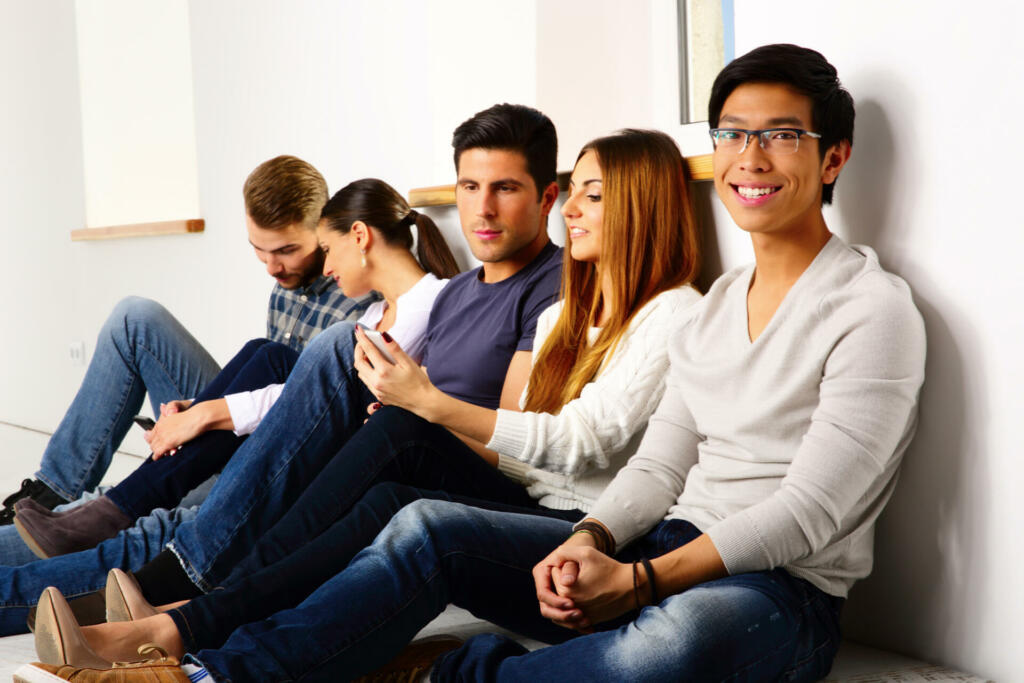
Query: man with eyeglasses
point(726, 547)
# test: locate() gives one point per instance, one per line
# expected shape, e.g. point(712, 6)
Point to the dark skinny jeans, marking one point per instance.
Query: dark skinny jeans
point(163, 483)
point(207, 621)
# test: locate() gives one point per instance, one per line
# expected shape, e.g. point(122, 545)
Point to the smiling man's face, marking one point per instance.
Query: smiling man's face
point(771, 192)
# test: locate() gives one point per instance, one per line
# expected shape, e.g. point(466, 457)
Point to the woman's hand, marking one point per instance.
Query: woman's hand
point(172, 407)
point(579, 586)
point(403, 383)
point(177, 426)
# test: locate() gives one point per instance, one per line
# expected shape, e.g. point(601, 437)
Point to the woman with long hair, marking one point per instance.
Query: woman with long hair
point(366, 234)
point(597, 378)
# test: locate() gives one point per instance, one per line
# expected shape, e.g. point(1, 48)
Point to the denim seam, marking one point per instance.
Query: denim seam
point(825, 643)
point(800, 607)
point(68, 595)
point(82, 472)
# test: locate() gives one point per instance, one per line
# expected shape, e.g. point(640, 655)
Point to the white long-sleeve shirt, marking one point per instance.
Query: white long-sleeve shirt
point(566, 460)
point(783, 450)
point(248, 408)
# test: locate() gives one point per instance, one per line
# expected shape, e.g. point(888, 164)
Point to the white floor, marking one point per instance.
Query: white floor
point(20, 450)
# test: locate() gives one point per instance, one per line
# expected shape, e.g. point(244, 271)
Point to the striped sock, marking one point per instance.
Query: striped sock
point(196, 673)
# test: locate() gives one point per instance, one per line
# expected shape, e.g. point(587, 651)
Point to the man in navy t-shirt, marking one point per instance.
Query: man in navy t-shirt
point(481, 328)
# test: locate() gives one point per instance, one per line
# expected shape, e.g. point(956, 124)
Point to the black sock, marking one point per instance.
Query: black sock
point(162, 580)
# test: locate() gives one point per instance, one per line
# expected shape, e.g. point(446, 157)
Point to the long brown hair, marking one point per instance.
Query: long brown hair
point(376, 203)
point(649, 244)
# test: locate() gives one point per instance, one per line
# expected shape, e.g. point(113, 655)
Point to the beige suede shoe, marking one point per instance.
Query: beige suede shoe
point(124, 599)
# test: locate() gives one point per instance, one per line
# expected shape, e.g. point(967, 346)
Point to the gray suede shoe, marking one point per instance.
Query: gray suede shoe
point(81, 528)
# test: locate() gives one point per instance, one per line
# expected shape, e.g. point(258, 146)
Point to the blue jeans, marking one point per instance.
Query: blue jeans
point(81, 573)
point(163, 483)
point(761, 626)
point(323, 403)
point(140, 348)
point(253, 594)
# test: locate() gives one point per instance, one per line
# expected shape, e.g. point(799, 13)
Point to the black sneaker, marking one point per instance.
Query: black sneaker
point(30, 488)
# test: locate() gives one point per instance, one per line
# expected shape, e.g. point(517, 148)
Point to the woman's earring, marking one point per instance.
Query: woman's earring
point(362, 259)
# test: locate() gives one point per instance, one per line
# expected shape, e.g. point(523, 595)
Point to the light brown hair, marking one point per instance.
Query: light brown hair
point(649, 244)
point(283, 191)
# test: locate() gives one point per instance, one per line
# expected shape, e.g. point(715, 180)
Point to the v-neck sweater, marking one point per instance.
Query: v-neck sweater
point(784, 449)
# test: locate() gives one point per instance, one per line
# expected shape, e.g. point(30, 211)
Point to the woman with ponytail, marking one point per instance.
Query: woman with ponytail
point(366, 234)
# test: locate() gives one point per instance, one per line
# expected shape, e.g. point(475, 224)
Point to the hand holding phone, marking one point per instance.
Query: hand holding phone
point(378, 341)
point(146, 423)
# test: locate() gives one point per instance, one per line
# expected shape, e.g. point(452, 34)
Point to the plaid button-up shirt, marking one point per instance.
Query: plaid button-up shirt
point(297, 315)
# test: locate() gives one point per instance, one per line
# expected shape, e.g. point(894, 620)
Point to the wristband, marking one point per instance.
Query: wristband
point(636, 587)
point(605, 542)
point(650, 580)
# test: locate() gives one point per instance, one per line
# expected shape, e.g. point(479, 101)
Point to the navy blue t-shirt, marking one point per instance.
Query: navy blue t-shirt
point(475, 327)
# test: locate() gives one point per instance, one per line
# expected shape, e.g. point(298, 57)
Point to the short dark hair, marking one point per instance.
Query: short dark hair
point(804, 70)
point(517, 128)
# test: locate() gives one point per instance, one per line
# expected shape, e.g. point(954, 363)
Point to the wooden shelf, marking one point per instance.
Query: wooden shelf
point(139, 230)
point(444, 195)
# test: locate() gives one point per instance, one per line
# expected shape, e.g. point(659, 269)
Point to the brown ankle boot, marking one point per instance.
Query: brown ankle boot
point(81, 528)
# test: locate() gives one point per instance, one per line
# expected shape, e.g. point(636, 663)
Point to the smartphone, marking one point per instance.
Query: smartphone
point(378, 341)
point(146, 423)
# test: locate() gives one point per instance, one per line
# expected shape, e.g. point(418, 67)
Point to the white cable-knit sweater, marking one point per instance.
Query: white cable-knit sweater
point(566, 460)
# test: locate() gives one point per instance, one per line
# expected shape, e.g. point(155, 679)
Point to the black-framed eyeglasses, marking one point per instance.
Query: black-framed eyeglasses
point(772, 140)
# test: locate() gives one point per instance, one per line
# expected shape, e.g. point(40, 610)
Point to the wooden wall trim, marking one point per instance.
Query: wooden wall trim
point(444, 195)
point(139, 230)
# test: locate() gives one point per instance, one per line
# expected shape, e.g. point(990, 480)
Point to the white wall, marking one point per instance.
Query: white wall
point(43, 200)
point(372, 88)
point(356, 88)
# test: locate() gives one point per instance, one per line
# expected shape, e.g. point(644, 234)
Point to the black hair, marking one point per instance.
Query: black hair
point(379, 205)
point(807, 72)
point(517, 128)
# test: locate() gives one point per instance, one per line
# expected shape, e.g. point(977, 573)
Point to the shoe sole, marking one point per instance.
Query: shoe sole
point(116, 603)
point(49, 644)
point(28, 673)
point(29, 541)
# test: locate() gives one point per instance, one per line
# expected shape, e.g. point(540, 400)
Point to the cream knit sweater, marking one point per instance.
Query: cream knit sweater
point(783, 450)
point(566, 460)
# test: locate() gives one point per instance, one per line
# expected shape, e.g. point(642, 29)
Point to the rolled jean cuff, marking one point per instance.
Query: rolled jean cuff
point(190, 571)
